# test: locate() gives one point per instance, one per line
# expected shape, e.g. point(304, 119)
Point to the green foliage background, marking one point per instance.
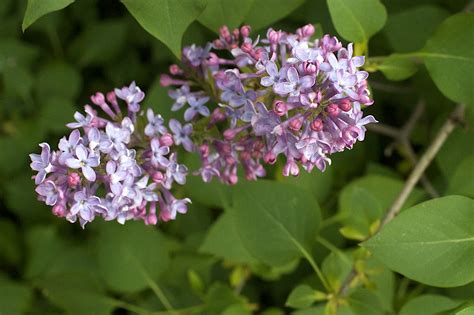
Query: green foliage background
point(277, 246)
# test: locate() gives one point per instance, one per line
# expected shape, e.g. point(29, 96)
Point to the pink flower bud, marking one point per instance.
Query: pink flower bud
point(166, 140)
point(235, 33)
point(333, 110)
point(309, 68)
point(274, 37)
point(232, 179)
point(98, 98)
point(218, 44)
point(295, 124)
point(204, 150)
point(165, 80)
point(345, 105)
point(151, 219)
point(59, 210)
point(229, 134)
point(306, 31)
point(73, 179)
point(269, 157)
point(317, 125)
point(245, 31)
point(175, 69)
point(158, 177)
point(291, 168)
point(245, 155)
point(246, 47)
point(224, 32)
point(111, 97)
point(213, 59)
point(280, 108)
point(217, 115)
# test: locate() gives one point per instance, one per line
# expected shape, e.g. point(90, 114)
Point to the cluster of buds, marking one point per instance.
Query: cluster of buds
point(113, 169)
point(253, 100)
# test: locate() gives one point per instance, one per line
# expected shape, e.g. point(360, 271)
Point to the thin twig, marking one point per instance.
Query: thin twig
point(416, 174)
point(402, 137)
point(424, 162)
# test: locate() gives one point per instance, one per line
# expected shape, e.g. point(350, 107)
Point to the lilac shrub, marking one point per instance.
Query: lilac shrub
point(286, 94)
point(120, 167)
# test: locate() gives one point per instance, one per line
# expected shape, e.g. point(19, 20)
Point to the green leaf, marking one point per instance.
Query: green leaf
point(357, 21)
point(223, 241)
point(167, 20)
point(276, 222)
point(59, 80)
point(449, 57)
point(318, 184)
point(15, 298)
point(462, 181)
point(267, 12)
point(409, 29)
point(10, 243)
point(397, 67)
point(303, 296)
point(427, 304)
point(56, 113)
point(219, 297)
point(131, 256)
point(437, 234)
point(37, 8)
point(237, 309)
point(225, 12)
point(100, 43)
point(459, 141)
point(79, 293)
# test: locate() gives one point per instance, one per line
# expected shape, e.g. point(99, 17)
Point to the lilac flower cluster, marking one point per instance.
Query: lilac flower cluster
point(111, 169)
point(285, 94)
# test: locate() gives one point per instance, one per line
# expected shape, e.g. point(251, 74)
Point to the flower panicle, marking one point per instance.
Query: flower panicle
point(286, 94)
point(108, 168)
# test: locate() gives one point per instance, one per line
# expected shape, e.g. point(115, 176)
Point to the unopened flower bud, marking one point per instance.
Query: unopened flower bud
point(333, 110)
point(158, 177)
point(73, 179)
point(269, 157)
point(309, 68)
point(213, 59)
point(218, 44)
point(232, 179)
point(165, 80)
point(204, 150)
point(246, 47)
point(280, 108)
point(317, 125)
point(229, 134)
point(274, 37)
point(245, 31)
point(217, 115)
point(295, 124)
point(59, 210)
point(224, 32)
point(291, 168)
point(166, 140)
point(98, 98)
point(151, 219)
point(175, 69)
point(306, 31)
point(345, 105)
point(235, 33)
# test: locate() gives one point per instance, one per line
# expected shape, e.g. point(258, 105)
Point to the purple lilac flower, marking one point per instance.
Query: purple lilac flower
point(196, 106)
point(85, 161)
point(181, 134)
point(135, 173)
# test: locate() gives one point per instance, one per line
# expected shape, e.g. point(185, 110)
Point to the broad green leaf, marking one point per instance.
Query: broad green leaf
point(237, 309)
point(167, 20)
point(357, 21)
point(274, 273)
point(266, 12)
point(131, 256)
point(427, 304)
point(79, 293)
point(219, 297)
point(437, 234)
point(100, 43)
point(15, 298)
point(365, 200)
point(303, 296)
point(223, 241)
point(461, 140)
point(364, 302)
point(56, 113)
point(409, 29)
point(276, 222)
point(10, 243)
point(462, 181)
point(225, 12)
point(318, 184)
point(316, 310)
point(397, 67)
point(44, 244)
point(37, 8)
point(58, 80)
point(449, 57)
